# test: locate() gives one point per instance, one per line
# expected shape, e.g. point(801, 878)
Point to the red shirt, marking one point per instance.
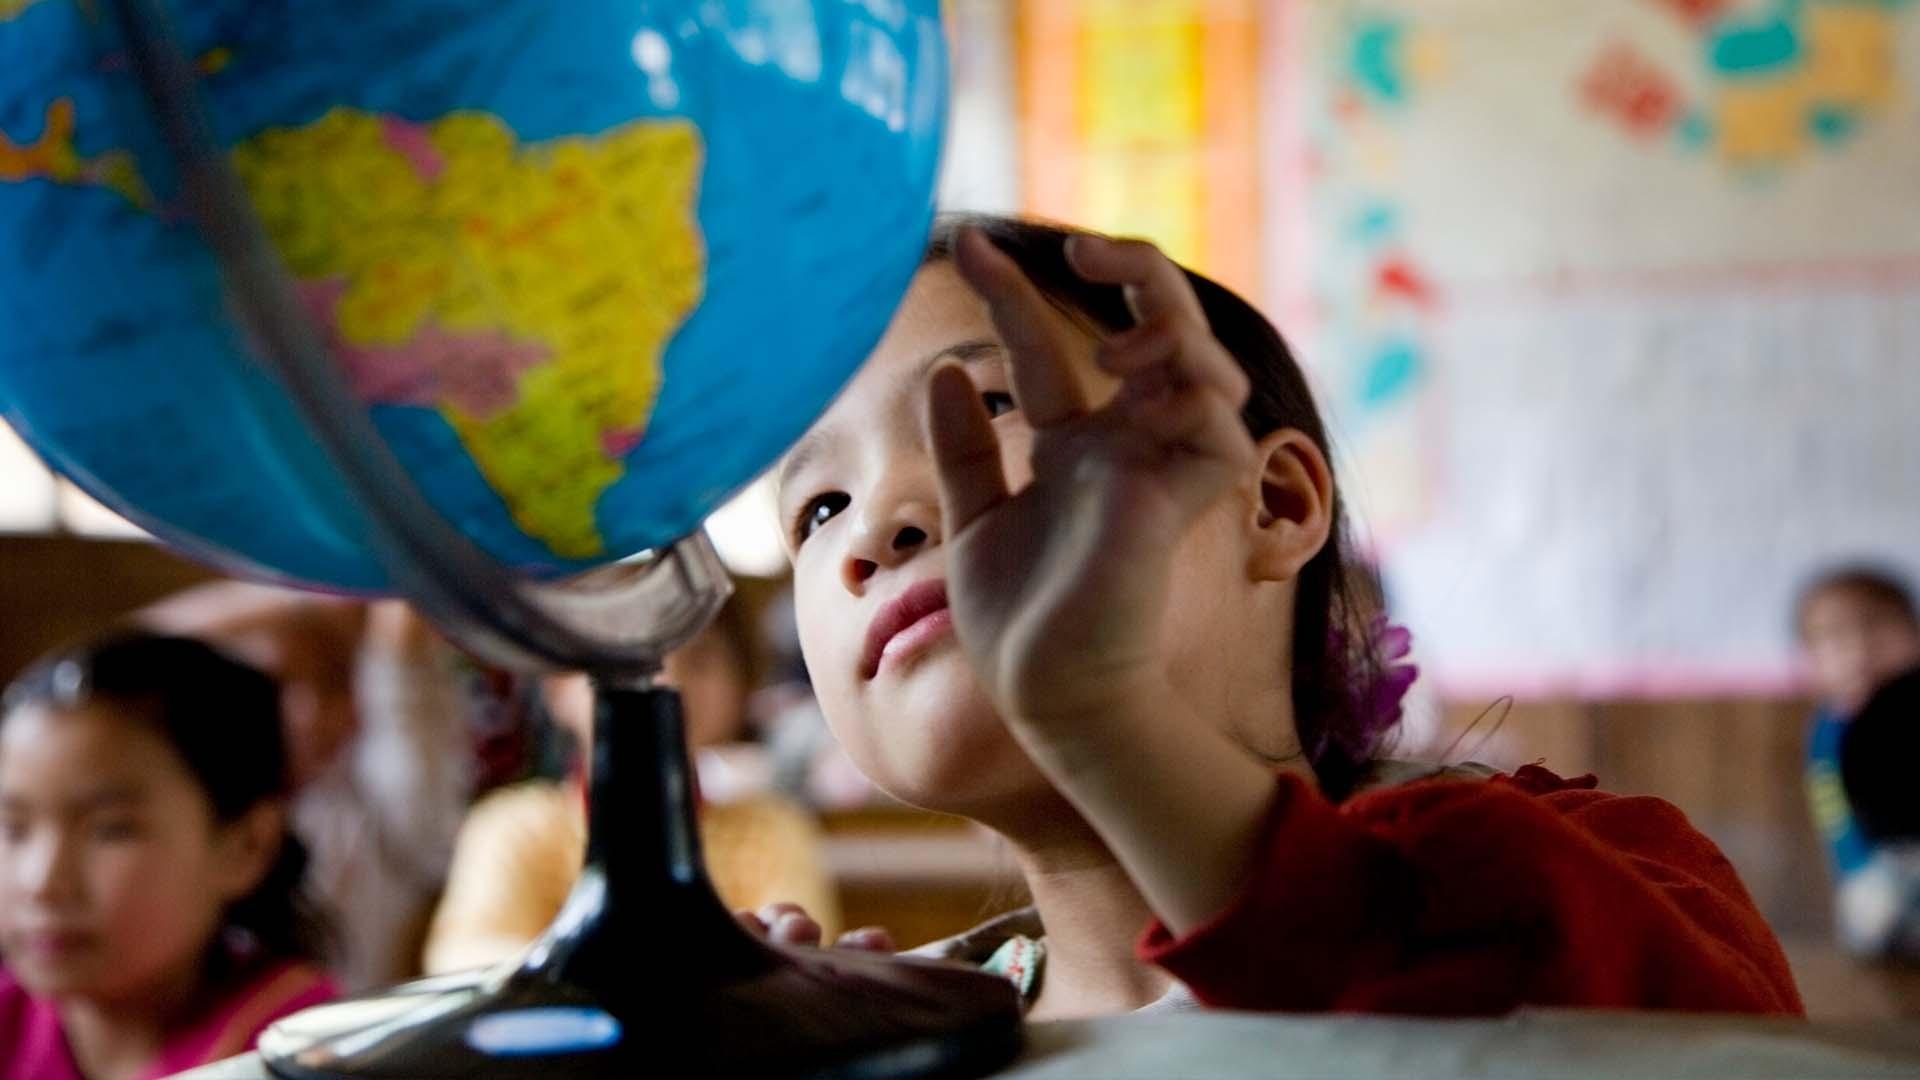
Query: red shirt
point(1449, 897)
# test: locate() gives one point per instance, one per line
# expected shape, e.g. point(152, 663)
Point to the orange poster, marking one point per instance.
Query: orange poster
point(1139, 117)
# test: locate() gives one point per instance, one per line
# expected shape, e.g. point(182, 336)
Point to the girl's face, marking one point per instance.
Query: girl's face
point(861, 507)
point(114, 874)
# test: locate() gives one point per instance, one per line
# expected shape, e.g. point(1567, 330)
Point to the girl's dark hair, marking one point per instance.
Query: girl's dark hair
point(223, 718)
point(1333, 610)
point(1865, 580)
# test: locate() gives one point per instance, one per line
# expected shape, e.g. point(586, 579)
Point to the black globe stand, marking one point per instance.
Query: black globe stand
point(646, 973)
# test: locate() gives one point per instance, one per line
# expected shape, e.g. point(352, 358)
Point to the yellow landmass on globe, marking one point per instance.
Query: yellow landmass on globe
point(566, 264)
point(11, 9)
point(53, 157)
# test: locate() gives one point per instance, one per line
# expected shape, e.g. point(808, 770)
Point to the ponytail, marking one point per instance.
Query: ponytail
point(278, 919)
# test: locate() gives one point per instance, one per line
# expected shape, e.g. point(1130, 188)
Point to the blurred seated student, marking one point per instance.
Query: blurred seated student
point(521, 848)
point(150, 907)
point(1879, 905)
point(382, 762)
point(715, 676)
point(805, 761)
point(1858, 628)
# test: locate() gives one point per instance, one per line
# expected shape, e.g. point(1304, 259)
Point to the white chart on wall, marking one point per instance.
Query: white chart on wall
point(1617, 309)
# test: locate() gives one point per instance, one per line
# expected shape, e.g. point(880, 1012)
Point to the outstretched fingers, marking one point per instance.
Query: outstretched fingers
point(1174, 390)
point(1155, 286)
point(1171, 329)
point(1038, 343)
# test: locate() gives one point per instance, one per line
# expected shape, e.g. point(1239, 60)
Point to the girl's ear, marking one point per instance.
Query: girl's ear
point(248, 847)
point(1293, 508)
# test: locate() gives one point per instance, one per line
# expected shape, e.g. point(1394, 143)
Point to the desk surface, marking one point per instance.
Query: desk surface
point(1202, 1046)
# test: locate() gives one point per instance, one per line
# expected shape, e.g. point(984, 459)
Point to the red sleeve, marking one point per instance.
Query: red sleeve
point(1452, 897)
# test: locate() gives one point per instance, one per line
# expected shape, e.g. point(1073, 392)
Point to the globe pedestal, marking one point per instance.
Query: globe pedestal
point(646, 973)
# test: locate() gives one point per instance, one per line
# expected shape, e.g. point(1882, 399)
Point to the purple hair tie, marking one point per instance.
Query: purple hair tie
point(1380, 681)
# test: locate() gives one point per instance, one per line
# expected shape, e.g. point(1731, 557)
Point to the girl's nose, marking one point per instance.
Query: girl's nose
point(44, 868)
point(890, 540)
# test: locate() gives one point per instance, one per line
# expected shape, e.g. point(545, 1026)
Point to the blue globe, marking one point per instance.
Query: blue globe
point(590, 265)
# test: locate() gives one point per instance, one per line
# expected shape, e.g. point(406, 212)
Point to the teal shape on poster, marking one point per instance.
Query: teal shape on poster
point(1832, 124)
point(1375, 222)
point(1757, 48)
point(1376, 60)
point(1391, 374)
point(1695, 131)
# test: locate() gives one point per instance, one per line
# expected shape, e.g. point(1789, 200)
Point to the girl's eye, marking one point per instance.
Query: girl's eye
point(115, 830)
point(817, 512)
point(997, 402)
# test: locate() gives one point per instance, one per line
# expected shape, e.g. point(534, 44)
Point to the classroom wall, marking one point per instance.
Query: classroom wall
point(1615, 307)
point(59, 589)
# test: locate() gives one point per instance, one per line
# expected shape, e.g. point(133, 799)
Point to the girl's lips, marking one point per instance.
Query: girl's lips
point(916, 638)
point(54, 944)
point(896, 629)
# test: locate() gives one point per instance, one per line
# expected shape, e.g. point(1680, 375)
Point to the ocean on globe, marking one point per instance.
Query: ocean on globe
point(590, 265)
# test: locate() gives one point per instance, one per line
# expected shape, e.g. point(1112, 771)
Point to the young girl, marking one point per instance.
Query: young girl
point(149, 914)
point(1068, 561)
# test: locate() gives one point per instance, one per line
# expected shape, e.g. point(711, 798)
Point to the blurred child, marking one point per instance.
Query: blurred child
point(1879, 904)
point(378, 741)
point(150, 910)
point(1069, 561)
point(521, 848)
point(1858, 627)
point(805, 761)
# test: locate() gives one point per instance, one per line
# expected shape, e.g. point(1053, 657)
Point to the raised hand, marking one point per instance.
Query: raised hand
point(1057, 589)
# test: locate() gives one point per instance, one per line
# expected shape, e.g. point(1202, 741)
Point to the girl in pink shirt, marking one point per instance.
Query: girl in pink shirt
point(150, 912)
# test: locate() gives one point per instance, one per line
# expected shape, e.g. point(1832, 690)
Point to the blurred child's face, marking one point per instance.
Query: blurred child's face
point(569, 699)
point(713, 687)
point(707, 673)
point(861, 508)
point(1855, 642)
point(114, 874)
point(309, 651)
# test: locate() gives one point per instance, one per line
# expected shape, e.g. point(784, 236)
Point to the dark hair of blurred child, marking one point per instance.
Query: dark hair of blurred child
point(1879, 904)
point(1876, 762)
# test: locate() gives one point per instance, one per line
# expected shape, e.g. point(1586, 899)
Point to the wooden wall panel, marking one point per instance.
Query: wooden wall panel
point(57, 589)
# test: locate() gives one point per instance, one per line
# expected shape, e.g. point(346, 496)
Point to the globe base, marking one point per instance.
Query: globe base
point(644, 972)
point(831, 1014)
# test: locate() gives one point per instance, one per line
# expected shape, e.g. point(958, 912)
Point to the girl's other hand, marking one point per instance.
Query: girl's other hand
point(789, 924)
